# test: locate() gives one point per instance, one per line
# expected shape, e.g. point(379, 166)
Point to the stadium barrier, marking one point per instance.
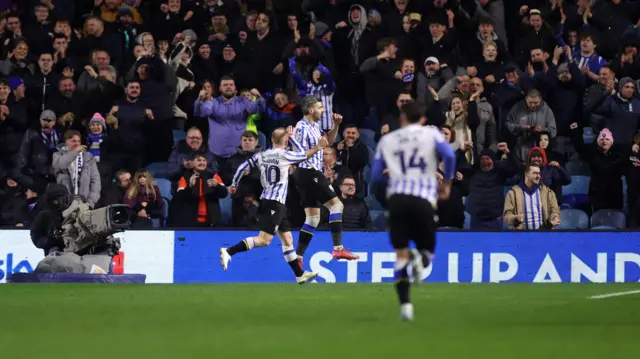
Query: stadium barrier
point(476, 257)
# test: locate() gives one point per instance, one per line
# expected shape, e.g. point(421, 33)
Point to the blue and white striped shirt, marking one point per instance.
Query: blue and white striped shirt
point(323, 90)
point(306, 137)
point(274, 166)
point(532, 208)
point(411, 156)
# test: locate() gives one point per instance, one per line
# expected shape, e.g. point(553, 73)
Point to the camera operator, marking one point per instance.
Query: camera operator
point(46, 230)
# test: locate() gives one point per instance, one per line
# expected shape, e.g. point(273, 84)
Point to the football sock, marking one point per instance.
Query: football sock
point(401, 276)
point(335, 225)
point(291, 257)
point(306, 233)
point(245, 245)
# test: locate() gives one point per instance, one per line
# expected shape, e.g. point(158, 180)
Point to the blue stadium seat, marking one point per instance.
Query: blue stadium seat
point(368, 137)
point(573, 219)
point(165, 187)
point(565, 206)
point(366, 176)
point(226, 218)
point(506, 189)
point(262, 140)
point(372, 203)
point(467, 220)
point(603, 228)
point(379, 219)
point(578, 168)
point(609, 218)
point(587, 135)
point(448, 228)
point(158, 169)
point(179, 135)
point(575, 194)
point(160, 222)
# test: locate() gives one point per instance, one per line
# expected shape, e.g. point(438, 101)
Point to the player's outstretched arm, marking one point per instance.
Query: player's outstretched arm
point(333, 133)
point(244, 169)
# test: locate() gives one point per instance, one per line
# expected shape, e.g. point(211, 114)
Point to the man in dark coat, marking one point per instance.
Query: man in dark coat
point(486, 187)
point(245, 199)
point(38, 146)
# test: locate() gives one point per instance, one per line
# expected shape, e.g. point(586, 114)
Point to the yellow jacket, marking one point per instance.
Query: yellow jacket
point(514, 207)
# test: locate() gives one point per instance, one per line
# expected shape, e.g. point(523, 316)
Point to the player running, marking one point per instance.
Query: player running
point(315, 190)
point(274, 166)
point(411, 156)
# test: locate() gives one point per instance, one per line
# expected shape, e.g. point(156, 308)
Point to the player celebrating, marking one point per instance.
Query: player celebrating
point(411, 156)
point(315, 189)
point(274, 175)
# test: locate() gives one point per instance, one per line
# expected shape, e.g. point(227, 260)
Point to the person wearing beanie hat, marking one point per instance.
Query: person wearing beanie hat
point(321, 29)
point(15, 82)
point(607, 164)
point(95, 137)
point(621, 110)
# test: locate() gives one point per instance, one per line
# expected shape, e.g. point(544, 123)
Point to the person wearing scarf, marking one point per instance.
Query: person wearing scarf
point(531, 205)
point(96, 135)
point(77, 169)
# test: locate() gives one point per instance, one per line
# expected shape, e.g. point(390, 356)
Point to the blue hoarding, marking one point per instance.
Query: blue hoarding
point(539, 257)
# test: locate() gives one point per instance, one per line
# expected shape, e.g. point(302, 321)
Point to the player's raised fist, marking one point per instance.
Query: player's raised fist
point(337, 119)
point(232, 189)
point(290, 131)
point(323, 142)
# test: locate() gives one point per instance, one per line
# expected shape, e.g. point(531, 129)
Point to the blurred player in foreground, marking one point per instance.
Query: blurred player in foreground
point(274, 166)
point(410, 154)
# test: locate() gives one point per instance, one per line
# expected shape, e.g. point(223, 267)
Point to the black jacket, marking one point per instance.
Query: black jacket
point(35, 157)
point(487, 188)
point(607, 169)
point(184, 205)
point(354, 216)
point(13, 127)
point(355, 158)
point(41, 87)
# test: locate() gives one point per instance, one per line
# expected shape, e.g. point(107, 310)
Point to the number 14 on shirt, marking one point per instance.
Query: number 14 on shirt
point(414, 161)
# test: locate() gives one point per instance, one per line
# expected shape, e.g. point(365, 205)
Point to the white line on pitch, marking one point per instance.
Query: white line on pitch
point(618, 294)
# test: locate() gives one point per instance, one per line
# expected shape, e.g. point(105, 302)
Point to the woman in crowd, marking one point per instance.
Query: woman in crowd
point(145, 199)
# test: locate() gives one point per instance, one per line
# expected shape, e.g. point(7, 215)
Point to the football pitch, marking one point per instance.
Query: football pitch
point(318, 321)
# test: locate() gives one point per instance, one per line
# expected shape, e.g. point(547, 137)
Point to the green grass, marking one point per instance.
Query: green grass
point(317, 321)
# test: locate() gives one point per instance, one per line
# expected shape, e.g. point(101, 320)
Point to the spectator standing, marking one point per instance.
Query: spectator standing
point(42, 84)
point(14, 120)
point(353, 155)
point(355, 214)
point(227, 115)
point(552, 173)
point(530, 204)
point(244, 207)
point(607, 164)
point(39, 145)
point(126, 144)
point(621, 110)
point(77, 169)
point(486, 187)
point(196, 204)
point(527, 120)
point(181, 157)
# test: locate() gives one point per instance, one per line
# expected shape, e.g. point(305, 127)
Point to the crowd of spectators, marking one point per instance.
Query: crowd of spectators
point(116, 98)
